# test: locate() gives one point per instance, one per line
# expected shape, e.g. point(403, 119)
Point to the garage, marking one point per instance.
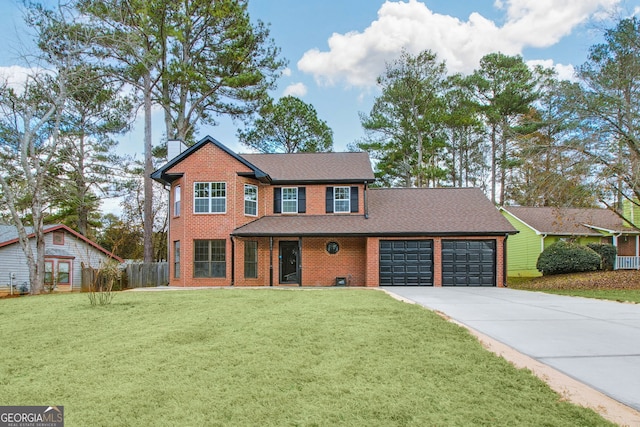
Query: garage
point(406, 263)
point(468, 263)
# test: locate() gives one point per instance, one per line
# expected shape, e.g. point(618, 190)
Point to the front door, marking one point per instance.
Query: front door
point(289, 262)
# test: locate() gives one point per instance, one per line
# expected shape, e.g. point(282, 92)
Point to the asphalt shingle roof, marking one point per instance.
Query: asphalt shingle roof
point(396, 212)
point(570, 221)
point(310, 167)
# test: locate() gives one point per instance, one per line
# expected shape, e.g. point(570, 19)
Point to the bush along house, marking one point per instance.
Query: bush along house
point(311, 219)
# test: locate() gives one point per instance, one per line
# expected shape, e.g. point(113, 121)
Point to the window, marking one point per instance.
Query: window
point(341, 199)
point(64, 272)
point(250, 200)
point(176, 201)
point(176, 259)
point(48, 272)
point(210, 197)
point(251, 260)
point(290, 200)
point(58, 237)
point(209, 258)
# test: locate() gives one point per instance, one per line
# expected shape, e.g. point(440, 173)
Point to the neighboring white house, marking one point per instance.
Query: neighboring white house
point(66, 252)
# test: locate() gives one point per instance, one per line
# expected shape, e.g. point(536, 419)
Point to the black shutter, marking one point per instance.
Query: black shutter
point(329, 199)
point(354, 199)
point(302, 200)
point(277, 200)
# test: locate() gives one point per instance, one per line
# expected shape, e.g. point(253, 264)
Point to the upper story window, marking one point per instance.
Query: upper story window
point(341, 199)
point(176, 201)
point(210, 197)
point(290, 200)
point(58, 237)
point(250, 200)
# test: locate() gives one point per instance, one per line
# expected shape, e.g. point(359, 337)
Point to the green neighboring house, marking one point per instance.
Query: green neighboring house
point(541, 227)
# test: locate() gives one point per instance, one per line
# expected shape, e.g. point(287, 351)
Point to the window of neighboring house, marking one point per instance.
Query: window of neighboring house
point(250, 200)
point(209, 258)
point(290, 200)
point(58, 237)
point(64, 272)
point(341, 199)
point(176, 259)
point(48, 272)
point(210, 197)
point(251, 260)
point(176, 201)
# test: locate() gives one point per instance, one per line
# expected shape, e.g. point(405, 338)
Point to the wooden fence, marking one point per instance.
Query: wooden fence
point(141, 275)
point(136, 275)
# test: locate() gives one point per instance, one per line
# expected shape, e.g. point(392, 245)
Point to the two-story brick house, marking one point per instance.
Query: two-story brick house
point(310, 219)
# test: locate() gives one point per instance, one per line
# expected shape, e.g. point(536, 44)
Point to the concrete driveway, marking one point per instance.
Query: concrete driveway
point(595, 342)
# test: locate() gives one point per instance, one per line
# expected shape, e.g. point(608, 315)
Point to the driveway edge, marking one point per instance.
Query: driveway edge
point(567, 387)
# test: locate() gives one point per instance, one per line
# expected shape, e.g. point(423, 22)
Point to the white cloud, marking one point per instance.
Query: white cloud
point(565, 72)
point(296, 89)
point(357, 58)
point(15, 76)
point(286, 72)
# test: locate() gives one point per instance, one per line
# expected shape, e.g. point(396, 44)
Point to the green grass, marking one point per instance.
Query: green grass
point(622, 285)
point(262, 358)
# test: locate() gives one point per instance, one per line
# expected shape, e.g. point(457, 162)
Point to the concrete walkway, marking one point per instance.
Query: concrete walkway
point(595, 342)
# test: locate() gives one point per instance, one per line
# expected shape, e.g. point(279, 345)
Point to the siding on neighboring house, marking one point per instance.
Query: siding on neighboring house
point(523, 250)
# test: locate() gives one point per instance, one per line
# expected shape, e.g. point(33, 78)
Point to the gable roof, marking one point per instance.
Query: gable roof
point(165, 178)
point(397, 212)
point(570, 221)
point(285, 168)
point(9, 236)
point(314, 167)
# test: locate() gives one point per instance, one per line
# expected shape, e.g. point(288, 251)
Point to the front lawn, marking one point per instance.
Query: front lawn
point(262, 358)
point(621, 285)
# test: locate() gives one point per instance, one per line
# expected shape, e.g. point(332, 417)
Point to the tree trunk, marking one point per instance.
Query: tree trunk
point(148, 170)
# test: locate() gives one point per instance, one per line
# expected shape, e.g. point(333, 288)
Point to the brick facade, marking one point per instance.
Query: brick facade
point(357, 260)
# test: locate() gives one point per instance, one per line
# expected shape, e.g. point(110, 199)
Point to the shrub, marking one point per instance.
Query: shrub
point(607, 253)
point(566, 257)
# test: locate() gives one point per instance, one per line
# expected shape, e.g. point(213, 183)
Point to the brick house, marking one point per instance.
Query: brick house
point(310, 219)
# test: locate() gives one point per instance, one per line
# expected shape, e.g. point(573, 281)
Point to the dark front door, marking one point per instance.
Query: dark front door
point(289, 262)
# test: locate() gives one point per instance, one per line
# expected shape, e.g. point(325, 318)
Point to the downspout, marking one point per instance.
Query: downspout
point(544, 236)
point(366, 204)
point(233, 261)
point(300, 261)
point(504, 260)
point(270, 260)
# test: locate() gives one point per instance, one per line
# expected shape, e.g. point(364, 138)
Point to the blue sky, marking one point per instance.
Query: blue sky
point(336, 48)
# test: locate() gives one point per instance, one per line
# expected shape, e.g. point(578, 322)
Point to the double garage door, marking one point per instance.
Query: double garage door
point(464, 262)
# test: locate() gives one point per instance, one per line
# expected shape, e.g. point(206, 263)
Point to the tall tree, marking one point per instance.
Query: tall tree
point(288, 126)
point(404, 129)
point(505, 89)
point(88, 165)
point(31, 120)
point(215, 62)
point(610, 102)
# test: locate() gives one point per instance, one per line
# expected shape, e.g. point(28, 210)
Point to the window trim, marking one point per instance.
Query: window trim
point(57, 238)
point(335, 200)
point(210, 262)
point(177, 200)
point(250, 201)
point(176, 259)
point(251, 265)
point(282, 207)
point(68, 273)
point(209, 198)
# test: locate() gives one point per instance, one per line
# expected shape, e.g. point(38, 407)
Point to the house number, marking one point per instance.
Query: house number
point(333, 248)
